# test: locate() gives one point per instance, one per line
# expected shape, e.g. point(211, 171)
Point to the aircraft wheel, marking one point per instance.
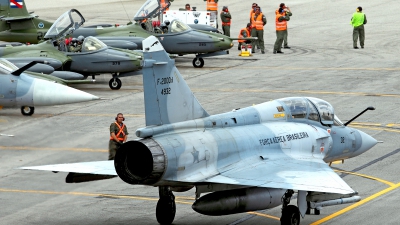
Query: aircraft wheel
point(165, 211)
point(115, 83)
point(317, 212)
point(198, 62)
point(27, 110)
point(290, 215)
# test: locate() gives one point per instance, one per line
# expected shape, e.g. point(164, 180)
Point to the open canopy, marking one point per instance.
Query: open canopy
point(65, 24)
point(150, 9)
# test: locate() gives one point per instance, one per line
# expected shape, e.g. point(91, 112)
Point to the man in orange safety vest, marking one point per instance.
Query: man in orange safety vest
point(118, 135)
point(281, 29)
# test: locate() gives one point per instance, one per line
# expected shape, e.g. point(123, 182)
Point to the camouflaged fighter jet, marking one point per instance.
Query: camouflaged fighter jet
point(245, 160)
point(17, 25)
point(176, 37)
point(91, 57)
point(18, 89)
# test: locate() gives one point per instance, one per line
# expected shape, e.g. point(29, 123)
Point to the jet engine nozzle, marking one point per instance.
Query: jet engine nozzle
point(140, 162)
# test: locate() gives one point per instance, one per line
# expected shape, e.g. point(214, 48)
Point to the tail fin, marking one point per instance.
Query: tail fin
point(13, 8)
point(167, 97)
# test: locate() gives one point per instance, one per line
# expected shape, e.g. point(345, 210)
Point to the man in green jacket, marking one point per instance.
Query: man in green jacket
point(358, 20)
point(226, 21)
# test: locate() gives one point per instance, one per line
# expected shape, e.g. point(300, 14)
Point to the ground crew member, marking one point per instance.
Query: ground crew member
point(281, 28)
point(289, 13)
point(212, 5)
point(244, 33)
point(226, 21)
point(118, 135)
point(164, 3)
point(358, 20)
point(258, 21)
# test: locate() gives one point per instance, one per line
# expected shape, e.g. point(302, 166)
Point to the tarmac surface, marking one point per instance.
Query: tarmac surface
point(321, 63)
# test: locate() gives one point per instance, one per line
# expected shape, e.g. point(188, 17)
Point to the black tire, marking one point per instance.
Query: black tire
point(198, 62)
point(308, 211)
point(115, 83)
point(27, 110)
point(290, 215)
point(165, 211)
point(317, 212)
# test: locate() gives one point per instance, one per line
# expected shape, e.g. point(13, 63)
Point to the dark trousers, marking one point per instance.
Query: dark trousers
point(260, 41)
point(280, 34)
point(285, 44)
point(227, 30)
point(113, 146)
point(358, 32)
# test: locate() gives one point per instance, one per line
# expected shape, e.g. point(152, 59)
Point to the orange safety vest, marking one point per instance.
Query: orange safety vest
point(212, 5)
point(121, 131)
point(257, 22)
point(241, 36)
point(280, 25)
point(226, 23)
point(163, 4)
point(251, 12)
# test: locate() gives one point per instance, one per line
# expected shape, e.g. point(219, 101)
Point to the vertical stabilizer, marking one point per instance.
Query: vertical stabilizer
point(167, 97)
point(13, 8)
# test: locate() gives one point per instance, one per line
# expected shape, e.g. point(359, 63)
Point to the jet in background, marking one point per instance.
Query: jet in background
point(18, 89)
point(244, 160)
point(177, 37)
point(93, 58)
point(17, 25)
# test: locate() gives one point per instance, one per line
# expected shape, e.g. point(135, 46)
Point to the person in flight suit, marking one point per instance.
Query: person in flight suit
point(244, 33)
point(258, 22)
point(226, 21)
point(118, 135)
point(358, 20)
point(281, 29)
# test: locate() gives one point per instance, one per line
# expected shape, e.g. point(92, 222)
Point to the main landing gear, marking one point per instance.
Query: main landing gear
point(198, 62)
point(290, 213)
point(166, 208)
point(27, 110)
point(115, 83)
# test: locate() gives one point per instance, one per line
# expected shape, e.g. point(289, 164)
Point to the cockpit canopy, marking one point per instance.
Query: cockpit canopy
point(91, 44)
point(65, 24)
point(178, 26)
point(310, 108)
point(150, 9)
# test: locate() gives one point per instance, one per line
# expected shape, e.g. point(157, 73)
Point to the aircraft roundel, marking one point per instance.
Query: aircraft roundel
point(196, 21)
point(41, 25)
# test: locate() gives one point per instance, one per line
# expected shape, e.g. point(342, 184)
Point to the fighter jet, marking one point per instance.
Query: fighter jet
point(245, 160)
point(89, 58)
point(17, 25)
point(18, 89)
point(177, 37)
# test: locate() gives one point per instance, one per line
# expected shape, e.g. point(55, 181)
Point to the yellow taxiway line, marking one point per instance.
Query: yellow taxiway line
point(362, 202)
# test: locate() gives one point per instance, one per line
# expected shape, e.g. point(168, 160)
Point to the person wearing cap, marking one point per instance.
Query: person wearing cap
point(226, 21)
point(289, 13)
point(258, 22)
point(253, 10)
point(358, 20)
point(244, 33)
point(281, 28)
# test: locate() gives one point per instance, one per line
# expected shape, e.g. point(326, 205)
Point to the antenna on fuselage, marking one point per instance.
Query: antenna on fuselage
point(369, 108)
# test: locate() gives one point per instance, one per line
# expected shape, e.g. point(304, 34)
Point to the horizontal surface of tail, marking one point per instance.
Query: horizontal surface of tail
point(167, 97)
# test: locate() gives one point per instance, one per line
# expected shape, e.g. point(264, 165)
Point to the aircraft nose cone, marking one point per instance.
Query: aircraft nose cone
point(48, 93)
point(367, 142)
